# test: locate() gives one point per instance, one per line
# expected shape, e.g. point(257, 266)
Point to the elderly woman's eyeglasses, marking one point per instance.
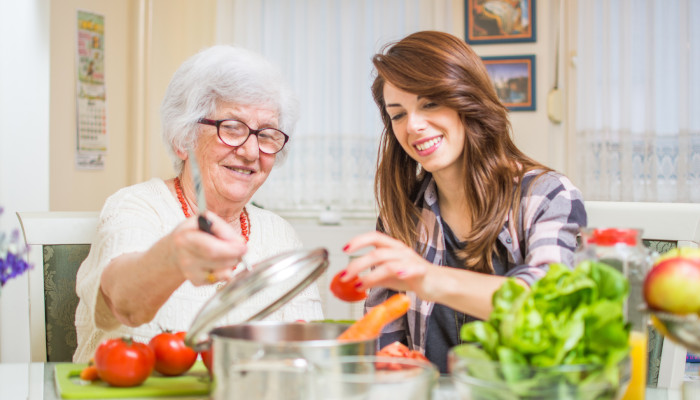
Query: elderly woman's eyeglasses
point(234, 133)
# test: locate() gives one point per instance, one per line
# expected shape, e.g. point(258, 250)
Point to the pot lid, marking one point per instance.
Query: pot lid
point(258, 291)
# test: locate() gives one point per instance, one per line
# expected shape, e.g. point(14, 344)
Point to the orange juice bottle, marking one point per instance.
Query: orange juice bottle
point(638, 354)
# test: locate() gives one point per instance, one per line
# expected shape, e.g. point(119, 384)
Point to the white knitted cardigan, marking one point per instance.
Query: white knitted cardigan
point(132, 220)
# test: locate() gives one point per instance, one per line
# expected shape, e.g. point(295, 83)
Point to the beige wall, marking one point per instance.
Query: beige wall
point(180, 28)
point(72, 189)
point(145, 41)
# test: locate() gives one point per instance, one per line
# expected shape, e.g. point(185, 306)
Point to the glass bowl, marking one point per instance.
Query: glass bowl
point(479, 379)
point(376, 378)
point(681, 329)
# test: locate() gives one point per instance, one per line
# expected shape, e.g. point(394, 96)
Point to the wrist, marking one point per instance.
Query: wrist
point(438, 285)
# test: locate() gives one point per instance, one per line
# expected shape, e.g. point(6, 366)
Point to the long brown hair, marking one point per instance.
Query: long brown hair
point(443, 68)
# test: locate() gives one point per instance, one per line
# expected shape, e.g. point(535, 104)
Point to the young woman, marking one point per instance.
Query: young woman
point(454, 191)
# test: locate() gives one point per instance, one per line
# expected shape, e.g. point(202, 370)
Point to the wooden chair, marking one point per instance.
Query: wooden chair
point(59, 242)
point(664, 226)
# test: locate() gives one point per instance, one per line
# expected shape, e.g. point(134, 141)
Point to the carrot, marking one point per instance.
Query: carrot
point(396, 306)
point(371, 324)
point(89, 373)
point(368, 326)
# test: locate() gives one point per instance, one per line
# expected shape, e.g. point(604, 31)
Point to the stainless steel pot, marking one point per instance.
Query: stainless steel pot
point(269, 360)
point(274, 360)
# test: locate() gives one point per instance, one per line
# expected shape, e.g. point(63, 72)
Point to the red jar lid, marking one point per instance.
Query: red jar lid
point(611, 236)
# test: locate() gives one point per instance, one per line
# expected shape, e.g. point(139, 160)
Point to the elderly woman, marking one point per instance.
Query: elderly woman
point(150, 267)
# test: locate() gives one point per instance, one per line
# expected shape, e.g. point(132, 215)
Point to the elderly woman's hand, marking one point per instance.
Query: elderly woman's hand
point(397, 266)
point(205, 258)
point(135, 285)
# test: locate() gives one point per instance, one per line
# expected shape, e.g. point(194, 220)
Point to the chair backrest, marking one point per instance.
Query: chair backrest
point(59, 242)
point(664, 226)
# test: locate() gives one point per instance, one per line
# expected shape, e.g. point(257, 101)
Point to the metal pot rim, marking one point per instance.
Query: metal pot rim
point(218, 334)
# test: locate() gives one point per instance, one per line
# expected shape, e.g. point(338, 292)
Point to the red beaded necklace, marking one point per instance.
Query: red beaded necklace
point(181, 197)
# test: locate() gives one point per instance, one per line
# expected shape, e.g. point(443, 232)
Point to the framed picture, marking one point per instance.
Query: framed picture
point(513, 78)
point(499, 21)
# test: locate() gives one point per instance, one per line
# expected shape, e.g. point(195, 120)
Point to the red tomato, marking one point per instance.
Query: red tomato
point(173, 356)
point(346, 291)
point(124, 362)
point(206, 358)
point(398, 349)
point(417, 355)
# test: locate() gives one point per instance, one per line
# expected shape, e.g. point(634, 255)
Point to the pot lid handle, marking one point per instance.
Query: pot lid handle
point(257, 292)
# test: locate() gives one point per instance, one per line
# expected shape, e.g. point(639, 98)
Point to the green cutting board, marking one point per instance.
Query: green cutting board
point(195, 382)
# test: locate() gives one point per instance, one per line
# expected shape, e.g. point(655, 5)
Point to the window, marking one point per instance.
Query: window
point(638, 96)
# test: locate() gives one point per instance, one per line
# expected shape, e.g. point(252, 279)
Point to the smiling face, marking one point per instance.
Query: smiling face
point(232, 175)
point(430, 133)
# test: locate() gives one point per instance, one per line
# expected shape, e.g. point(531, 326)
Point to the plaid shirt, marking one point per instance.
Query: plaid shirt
point(552, 213)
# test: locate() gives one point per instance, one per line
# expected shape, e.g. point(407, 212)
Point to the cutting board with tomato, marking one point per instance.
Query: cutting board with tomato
point(195, 382)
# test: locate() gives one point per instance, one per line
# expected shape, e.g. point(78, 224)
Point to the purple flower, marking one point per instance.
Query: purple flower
point(11, 267)
point(12, 262)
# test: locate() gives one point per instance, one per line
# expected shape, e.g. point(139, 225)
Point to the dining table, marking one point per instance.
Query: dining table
point(36, 381)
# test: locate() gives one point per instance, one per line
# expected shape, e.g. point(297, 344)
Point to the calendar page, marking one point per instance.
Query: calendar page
point(91, 104)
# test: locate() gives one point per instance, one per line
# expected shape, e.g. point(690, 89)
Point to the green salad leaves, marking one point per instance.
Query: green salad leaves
point(569, 317)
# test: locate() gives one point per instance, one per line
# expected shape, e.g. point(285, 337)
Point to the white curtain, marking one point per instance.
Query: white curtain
point(325, 47)
point(638, 100)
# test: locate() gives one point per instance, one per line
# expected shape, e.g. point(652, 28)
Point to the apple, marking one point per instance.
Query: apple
point(685, 252)
point(673, 284)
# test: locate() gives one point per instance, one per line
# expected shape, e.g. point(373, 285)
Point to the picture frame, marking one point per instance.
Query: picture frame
point(514, 79)
point(500, 21)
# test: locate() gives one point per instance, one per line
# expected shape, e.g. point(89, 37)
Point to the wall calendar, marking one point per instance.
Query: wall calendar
point(91, 107)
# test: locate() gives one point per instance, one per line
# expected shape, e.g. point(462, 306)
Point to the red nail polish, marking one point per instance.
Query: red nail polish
point(343, 273)
point(401, 273)
point(346, 247)
point(358, 284)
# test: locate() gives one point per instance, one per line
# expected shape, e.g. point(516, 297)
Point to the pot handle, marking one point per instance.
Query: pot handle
point(198, 346)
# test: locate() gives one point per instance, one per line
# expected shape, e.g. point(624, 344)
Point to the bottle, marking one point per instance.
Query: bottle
point(623, 250)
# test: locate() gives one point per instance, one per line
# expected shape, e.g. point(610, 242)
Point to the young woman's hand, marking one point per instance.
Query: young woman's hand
point(396, 266)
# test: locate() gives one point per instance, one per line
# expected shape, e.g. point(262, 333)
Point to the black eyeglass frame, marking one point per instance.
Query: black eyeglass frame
point(217, 123)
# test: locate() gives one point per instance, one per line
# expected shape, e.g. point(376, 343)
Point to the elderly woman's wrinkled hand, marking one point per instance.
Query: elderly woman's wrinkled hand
point(205, 258)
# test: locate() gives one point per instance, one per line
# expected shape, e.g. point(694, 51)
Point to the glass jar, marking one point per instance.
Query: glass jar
point(623, 250)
